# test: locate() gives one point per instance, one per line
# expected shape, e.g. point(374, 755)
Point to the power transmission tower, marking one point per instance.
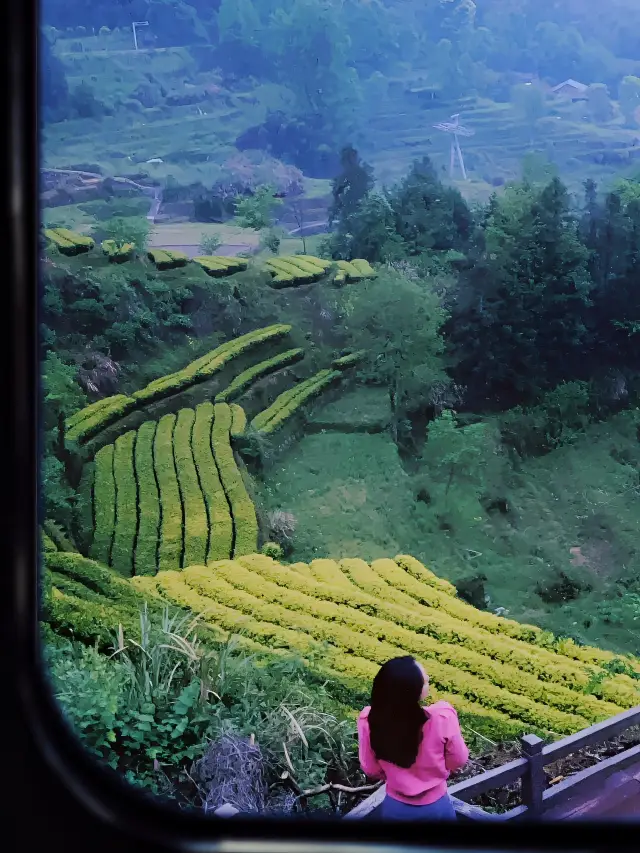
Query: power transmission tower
point(455, 129)
point(135, 34)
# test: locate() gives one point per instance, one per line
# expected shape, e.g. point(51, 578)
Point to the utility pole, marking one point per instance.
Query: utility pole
point(135, 35)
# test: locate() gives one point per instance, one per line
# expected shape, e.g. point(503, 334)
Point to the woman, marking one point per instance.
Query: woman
point(413, 749)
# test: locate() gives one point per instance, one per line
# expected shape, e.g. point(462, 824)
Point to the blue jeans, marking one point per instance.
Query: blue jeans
point(442, 809)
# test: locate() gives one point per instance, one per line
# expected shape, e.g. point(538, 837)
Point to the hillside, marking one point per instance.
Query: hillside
point(347, 617)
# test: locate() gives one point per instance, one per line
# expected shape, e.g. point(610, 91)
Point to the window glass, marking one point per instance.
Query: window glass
point(340, 357)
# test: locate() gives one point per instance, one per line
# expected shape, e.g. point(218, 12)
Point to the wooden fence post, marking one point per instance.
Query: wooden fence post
point(533, 781)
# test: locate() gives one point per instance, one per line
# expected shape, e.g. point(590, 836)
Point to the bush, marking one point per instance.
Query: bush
point(557, 419)
point(245, 379)
point(167, 260)
point(165, 702)
point(288, 403)
point(273, 550)
point(245, 523)
point(271, 240)
point(209, 244)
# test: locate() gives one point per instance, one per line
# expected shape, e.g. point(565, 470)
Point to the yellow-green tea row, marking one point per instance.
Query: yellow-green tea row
point(171, 495)
point(69, 242)
point(91, 420)
point(219, 265)
point(258, 371)
point(165, 259)
point(292, 607)
point(118, 252)
point(289, 402)
point(356, 270)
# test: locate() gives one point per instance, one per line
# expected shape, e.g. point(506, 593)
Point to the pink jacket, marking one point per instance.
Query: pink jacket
point(442, 751)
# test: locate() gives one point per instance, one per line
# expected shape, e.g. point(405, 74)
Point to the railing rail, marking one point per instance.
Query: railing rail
point(537, 798)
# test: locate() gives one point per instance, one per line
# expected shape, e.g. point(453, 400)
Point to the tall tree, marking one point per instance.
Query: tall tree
point(54, 92)
point(350, 186)
point(430, 216)
point(526, 330)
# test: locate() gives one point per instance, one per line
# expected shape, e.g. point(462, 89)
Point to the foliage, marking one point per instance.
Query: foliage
point(600, 105)
point(350, 187)
point(257, 211)
point(271, 240)
point(453, 452)
point(531, 289)
point(152, 707)
point(209, 244)
point(273, 550)
point(559, 417)
point(398, 321)
point(629, 95)
point(62, 395)
point(490, 664)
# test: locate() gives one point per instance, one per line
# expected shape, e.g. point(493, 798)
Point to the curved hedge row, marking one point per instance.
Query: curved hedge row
point(114, 409)
point(104, 500)
point(347, 361)
point(219, 265)
point(238, 420)
point(170, 494)
point(288, 403)
point(245, 523)
point(208, 365)
point(146, 552)
point(196, 523)
point(165, 259)
point(117, 252)
point(502, 683)
point(220, 542)
point(290, 270)
point(240, 384)
point(69, 242)
point(170, 542)
point(88, 422)
point(57, 536)
point(126, 492)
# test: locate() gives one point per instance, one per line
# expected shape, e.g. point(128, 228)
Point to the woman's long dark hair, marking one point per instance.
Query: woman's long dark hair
point(396, 717)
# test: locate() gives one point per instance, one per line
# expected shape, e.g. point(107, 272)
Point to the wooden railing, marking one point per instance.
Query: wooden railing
point(537, 798)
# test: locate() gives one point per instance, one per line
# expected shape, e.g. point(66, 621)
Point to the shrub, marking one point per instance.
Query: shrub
point(69, 242)
point(350, 271)
point(289, 403)
point(196, 527)
point(208, 365)
point(218, 265)
point(118, 252)
point(238, 421)
point(145, 559)
point(170, 545)
point(111, 410)
point(273, 550)
point(104, 501)
point(245, 379)
point(243, 512)
point(218, 513)
point(209, 244)
point(166, 260)
point(126, 504)
point(347, 361)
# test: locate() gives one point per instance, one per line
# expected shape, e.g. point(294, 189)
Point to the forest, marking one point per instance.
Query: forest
point(279, 357)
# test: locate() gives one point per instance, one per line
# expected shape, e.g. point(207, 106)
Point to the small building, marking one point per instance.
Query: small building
point(571, 90)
